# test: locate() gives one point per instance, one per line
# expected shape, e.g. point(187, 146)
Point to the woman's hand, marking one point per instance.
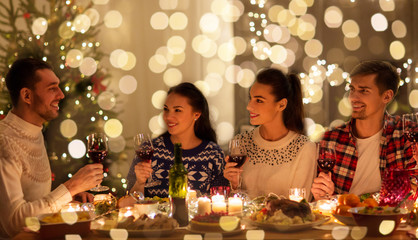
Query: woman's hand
point(231, 173)
point(143, 171)
point(322, 186)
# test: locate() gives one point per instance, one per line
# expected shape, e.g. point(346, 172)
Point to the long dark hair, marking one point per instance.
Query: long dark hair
point(289, 87)
point(202, 127)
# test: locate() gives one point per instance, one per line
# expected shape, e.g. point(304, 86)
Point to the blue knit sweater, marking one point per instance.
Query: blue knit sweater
point(205, 164)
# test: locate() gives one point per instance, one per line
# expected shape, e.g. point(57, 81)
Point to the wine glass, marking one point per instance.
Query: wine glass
point(97, 150)
point(144, 151)
point(237, 155)
point(410, 129)
point(326, 160)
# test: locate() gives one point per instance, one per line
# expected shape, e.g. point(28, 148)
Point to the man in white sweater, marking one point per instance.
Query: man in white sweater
point(25, 173)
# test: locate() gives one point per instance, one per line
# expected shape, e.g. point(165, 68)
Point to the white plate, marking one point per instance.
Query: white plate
point(294, 227)
point(224, 233)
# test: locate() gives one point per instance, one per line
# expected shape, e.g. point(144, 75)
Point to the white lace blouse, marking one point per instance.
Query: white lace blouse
point(276, 166)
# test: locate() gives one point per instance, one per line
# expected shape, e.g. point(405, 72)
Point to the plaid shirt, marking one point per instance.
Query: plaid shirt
point(395, 152)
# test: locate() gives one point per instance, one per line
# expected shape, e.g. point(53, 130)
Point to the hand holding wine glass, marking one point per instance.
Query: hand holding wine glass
point(238, 156)
point(326, 160)
point(144, 151)
point(410, 129)
point(97, 151)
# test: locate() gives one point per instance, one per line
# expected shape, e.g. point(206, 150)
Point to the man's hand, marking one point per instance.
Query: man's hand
point(83, 197)
point(232, 173)
point(322, 186)
point(85, 178)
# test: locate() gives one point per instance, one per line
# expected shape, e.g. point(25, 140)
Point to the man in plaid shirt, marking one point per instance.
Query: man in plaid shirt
point(371, 141)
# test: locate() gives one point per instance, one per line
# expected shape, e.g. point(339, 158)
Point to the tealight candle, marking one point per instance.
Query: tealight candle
point(191, 195)
point(219, 206)
point(203, 206)
point(297, 194)
point(127, 212)
point(235, 206)
point(325, 206)
point(71, 207)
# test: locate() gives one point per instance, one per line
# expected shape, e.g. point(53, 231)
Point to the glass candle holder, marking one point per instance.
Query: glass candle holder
point(297, 194)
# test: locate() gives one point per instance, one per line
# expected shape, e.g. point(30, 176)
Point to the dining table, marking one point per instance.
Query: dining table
point(342, 233)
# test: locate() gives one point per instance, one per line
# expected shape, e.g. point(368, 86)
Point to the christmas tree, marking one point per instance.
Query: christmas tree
point(62, 33)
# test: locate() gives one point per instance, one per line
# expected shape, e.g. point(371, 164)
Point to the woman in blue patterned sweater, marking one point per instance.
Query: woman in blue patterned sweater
point(186, 113)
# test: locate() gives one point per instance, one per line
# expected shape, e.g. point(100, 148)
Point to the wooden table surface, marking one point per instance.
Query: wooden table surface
point(180, 233)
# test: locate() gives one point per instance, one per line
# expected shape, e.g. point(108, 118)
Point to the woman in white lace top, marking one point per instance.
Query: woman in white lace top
point(279, 155)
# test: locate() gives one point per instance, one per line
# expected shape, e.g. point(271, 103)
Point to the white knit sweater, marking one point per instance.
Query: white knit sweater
point(276, 166)
point(25, 176)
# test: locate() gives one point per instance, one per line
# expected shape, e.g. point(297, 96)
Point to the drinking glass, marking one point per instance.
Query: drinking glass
point(410, 129)
point(326, 160)
point(144, 151)
point(237, 155)
point(97, 151)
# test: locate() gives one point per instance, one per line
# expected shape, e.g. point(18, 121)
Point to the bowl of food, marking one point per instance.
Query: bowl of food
point(57, 225)
point(379, 221)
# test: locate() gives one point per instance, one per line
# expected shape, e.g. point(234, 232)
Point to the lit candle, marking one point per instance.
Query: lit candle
point(203, 206)
point(191, 195)
point(71, 207)
point(218, 198)
point(297, 194)
point(235, 205)
point(127, 212)
point(325, 206)
point(219, 206)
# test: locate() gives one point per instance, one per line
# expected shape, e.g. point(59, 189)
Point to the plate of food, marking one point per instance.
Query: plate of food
point(215, 223)
point(56, 225)
point(143, 226)
point(285, 215)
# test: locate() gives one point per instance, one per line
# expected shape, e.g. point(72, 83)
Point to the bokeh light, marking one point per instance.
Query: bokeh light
point(231, 73)
point(168, 4)
point(39, 26)
point(333, 17)
point(81, 23)
point(176, 44)
point(379, 22)
point(117, 144)
point(118, 58)
point(88, 66)
point(94, 16)
point(178, 21)
point(106, 100)
point(68, 128)
point(227, 52)
point(77, 149)
point(128, 84)
point(261, 50)
point(399, 29)
point(350, 28)
point(313, 48)
point(74, 58)
point(298, 7)
point(158, 99)
point(216, 66)
point(157, 63)
point(246, 78)
point(172, 77)
point(159, 21)
point(130, 62)
point(387, 5)
point(209, 22)
point(397, 50)
point(344, 107)
point(413, 98)
point(113, 19)
point(113, 128)
point(65, 30)
point(352, 44)
point(225, 132)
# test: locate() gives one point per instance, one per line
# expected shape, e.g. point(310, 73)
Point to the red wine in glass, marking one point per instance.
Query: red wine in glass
point(410, 129)
point(97, 156)
point(144, 151)
point(411, 136)
point(144, 155)
point(326, 164)
point(239, 159)
point(97, 148)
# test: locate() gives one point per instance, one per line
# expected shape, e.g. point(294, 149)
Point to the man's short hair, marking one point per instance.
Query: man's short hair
point(387, 76)
point(22, 74)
